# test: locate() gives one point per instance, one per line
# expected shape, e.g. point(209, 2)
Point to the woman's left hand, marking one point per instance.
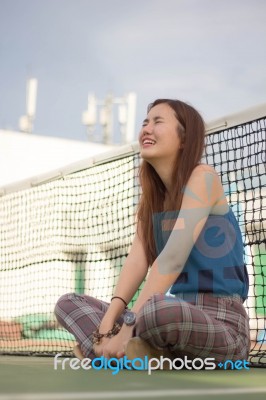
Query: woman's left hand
point(117, 344)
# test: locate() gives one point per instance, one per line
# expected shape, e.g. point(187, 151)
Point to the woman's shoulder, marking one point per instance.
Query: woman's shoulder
point(204, 172)
point(206, 184)
point(201, 168)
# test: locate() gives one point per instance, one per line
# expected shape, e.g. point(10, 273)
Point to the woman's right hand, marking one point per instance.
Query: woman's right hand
point(98, 348)
point(106, 325)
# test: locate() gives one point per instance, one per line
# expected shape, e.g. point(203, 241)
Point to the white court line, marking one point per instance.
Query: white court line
point(143, 394)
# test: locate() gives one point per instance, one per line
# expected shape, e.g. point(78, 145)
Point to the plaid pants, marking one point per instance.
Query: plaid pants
point(195, 325)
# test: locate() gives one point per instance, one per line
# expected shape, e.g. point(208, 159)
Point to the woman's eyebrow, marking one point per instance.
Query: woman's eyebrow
point(154, 119)
point(157, 118)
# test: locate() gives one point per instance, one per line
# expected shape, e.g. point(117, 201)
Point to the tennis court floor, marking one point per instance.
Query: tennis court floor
point(34, 378)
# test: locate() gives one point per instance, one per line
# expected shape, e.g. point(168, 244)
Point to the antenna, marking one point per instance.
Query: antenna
point(31, 97)
point(126, 110)
point(131, 101)
point(89, 116)
point(26, 121)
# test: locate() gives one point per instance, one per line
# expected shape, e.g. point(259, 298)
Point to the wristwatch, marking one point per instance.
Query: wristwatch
point(129, 318)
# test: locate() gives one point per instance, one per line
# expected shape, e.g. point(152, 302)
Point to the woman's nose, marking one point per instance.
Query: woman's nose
point(147, 128)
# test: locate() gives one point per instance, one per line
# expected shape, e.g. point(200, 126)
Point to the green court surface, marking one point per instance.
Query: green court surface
point(34, 378)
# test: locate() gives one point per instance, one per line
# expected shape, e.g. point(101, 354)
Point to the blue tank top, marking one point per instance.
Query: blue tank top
point(215, 263)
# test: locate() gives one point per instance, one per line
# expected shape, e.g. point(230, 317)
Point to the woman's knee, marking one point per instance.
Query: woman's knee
point(63, 303)
point(154, 300)
point(148, 312)
point(157, 302)
point(161, 310)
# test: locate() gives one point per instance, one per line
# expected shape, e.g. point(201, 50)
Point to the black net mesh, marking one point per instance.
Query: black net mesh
point(73, 234)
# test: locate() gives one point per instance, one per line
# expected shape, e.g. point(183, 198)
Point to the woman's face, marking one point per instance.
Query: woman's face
point(159, 139)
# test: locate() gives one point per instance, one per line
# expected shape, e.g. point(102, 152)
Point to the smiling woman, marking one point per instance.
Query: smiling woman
point(178, 132)
point(160, 132)
point(189, 241)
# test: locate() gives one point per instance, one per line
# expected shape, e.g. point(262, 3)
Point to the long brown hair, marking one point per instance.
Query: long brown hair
point(191, 130)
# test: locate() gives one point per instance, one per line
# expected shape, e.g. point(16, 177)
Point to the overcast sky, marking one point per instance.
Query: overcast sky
point(210, 53)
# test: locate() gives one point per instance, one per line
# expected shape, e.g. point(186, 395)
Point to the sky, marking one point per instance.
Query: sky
point(209, 53)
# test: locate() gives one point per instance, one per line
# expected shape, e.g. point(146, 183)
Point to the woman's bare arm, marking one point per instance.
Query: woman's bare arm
point(132, 275)
point(202, 195)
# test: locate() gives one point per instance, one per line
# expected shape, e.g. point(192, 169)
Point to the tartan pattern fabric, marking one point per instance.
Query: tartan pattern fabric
point(196, 325)
point(193, 325)
point(81, 315)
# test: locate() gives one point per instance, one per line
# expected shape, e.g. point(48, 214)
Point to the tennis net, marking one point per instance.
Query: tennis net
point(71, 231)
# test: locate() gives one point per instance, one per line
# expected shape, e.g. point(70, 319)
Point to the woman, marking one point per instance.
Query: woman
point(188, 236)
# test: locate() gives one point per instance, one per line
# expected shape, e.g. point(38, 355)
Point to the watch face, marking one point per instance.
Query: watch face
point(129, 318)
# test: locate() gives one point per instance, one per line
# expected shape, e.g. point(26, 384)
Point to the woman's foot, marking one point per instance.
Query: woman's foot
point(78, 353)
point(139, 348)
